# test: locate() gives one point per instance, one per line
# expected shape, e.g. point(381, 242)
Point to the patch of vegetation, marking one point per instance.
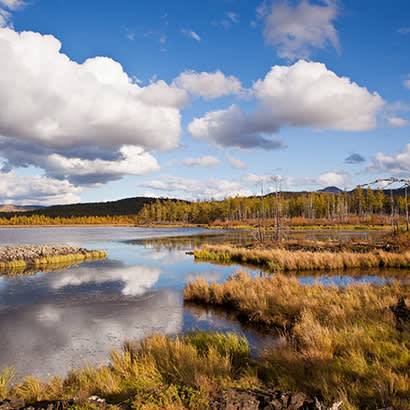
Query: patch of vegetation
point(337, 342)
point(157, 372)
point(279, 259)
point(17, 259)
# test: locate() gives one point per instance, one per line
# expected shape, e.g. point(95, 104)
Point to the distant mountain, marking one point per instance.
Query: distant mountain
point(19, 208)
point(331, 189)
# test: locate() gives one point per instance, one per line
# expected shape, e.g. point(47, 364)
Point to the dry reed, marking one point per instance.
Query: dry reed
point(338, 342)
point(157, 372)
point(277, 260)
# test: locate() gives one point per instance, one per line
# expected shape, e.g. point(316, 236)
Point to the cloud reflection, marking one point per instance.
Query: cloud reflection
point(137, 279)
point(65, 330)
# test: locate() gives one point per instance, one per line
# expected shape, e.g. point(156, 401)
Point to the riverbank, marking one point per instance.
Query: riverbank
point(240, 226)
point(344, 343)
point(329, 345)
point(201, 370)
point(26, 257)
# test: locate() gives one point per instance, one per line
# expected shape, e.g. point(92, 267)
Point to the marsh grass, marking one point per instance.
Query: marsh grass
point(6, 376)
point(18, 259)
point(279, 260)
point(157, 372)
point(337, 342)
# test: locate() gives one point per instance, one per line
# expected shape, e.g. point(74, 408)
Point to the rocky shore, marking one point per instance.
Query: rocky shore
point(232, 399)
point(24, 257)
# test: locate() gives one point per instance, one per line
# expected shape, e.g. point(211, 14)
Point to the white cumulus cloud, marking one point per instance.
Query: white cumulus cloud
point(330, 179)
point(397, 165)
point(305, 94)
point(208, 85)
point(51, 100)
point(133, 161)
point(13, 4)
point(296, 30)
point(19, 189)
point(233, 128)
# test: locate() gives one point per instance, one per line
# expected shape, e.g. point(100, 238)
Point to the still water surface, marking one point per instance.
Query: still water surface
point(55, 321)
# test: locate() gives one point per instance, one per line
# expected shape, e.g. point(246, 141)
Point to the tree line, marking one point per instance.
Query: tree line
point(301, 208)
point(309, 206)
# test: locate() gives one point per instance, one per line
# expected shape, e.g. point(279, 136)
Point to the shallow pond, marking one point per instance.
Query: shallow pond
point(58, 320)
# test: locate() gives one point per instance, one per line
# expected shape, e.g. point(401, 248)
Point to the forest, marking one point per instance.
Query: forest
point(368, 207)
point(302, 208)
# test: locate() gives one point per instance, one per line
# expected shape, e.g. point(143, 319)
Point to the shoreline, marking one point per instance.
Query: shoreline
point(296, 228)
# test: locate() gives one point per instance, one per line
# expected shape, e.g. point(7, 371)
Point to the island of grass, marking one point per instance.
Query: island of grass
point(281, 256)
point(15, 259)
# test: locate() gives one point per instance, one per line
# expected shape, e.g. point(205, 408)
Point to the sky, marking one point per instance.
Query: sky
point(203, 99)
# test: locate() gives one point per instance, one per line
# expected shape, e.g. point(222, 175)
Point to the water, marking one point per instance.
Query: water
point(55, 321)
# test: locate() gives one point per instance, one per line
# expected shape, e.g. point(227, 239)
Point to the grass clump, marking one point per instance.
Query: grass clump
point(157, 372)
point(278, 259)
point(17, 259)
point(6, 376)
point(340, 343)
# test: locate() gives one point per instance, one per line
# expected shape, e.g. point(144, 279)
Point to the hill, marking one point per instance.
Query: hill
point(127, 206)
point(19, 208)
point(331, 189)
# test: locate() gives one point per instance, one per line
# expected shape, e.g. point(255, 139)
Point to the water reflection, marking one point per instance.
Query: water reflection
point(55, 320)
point(214, 237)
point(136, 280)
point(65, 331)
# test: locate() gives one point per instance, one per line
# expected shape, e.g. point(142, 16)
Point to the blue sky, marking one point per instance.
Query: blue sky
point(105, 100)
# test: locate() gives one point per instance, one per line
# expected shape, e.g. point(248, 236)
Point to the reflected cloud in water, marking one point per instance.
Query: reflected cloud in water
point(56, 320)
point(65, 332)
point(208, 276)
point(137, 280)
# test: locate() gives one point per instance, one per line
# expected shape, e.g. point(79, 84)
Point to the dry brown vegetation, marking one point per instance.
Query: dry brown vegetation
point(157, 372)
point(339, 342)
point(279, 259)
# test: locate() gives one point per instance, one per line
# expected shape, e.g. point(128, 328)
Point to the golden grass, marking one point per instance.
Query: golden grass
point(277, 259)
point(157, 372)
point(339, 342)
point(6, 376)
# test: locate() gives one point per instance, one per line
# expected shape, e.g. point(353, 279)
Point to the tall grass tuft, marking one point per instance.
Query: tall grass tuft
point(157, 372)
point(6, 376)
